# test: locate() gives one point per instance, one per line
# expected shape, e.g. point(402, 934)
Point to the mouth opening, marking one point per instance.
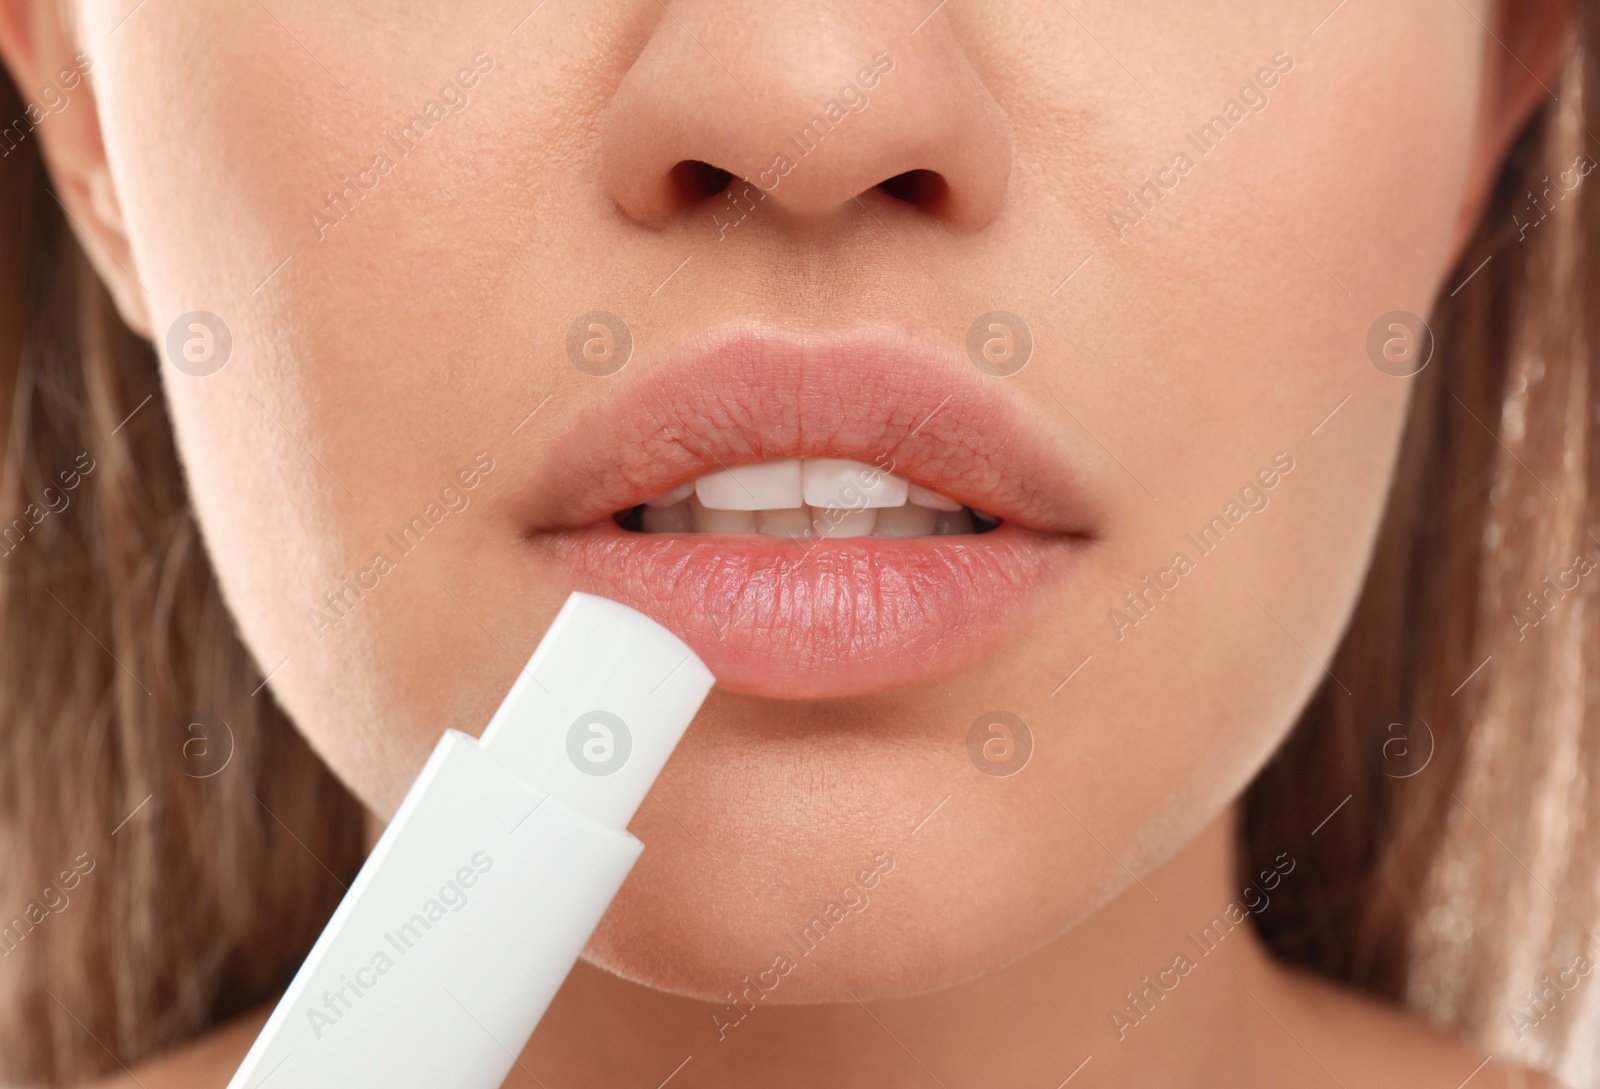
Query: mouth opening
point(809, 522)
point(805, 498)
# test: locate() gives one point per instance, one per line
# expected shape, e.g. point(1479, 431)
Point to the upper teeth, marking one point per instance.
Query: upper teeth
point(822, 497)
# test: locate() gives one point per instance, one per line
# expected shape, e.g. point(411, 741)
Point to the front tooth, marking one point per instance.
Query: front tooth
point(785, 523)
point(767, 485)
point(675, 496)
point(922, 497)
point(704, 519)
point(906, 521)
point(844, 523)
point(673, 519)
point(852, 485)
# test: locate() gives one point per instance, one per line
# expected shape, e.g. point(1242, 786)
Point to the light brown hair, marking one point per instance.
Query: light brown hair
point(144, 897)
point(182, 897)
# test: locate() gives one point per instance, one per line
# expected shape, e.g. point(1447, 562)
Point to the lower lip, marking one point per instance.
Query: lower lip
point(836, 617)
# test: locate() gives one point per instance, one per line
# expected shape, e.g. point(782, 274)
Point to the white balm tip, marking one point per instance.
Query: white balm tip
point(598, 708)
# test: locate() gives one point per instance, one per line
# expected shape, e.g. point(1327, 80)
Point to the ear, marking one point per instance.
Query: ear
point(60, 111)
point(1523, 52)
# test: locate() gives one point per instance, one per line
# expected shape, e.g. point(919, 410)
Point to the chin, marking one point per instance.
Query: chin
point(740, 890)
point(717, 950)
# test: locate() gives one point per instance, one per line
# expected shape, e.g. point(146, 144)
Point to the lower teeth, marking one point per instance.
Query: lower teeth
point(808, 522)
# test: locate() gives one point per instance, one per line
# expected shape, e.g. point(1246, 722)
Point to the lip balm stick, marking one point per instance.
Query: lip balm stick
point(497, 867)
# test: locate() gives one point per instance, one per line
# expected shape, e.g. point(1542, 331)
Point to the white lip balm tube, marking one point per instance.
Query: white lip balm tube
point(499, 863)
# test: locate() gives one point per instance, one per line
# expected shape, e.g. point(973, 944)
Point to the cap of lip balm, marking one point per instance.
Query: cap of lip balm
point(626, 689)
point(494, 872)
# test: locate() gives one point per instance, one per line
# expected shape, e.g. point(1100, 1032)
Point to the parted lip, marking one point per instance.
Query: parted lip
point(878, 395)
point(830, 617)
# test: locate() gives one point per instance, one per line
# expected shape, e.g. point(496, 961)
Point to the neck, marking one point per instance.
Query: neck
point(1163, 983)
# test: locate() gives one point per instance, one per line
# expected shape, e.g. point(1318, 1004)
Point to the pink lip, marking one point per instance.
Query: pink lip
point(831, 617)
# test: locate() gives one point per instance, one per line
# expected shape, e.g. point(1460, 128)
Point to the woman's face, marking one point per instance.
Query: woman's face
point(433, 245)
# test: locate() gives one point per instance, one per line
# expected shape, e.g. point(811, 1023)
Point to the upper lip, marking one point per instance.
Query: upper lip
point(738, 396)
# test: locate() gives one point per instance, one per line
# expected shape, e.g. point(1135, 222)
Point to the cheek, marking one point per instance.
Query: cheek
point(1240, 310)
point(366, 369)
point(1230, 324)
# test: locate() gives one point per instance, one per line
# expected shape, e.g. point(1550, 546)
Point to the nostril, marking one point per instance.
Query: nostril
point(694, 181)
point(923, 188)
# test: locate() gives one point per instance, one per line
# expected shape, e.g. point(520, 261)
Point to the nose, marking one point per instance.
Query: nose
point(814, 104)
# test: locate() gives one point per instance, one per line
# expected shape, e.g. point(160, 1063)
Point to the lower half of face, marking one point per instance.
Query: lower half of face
point(1002, 410)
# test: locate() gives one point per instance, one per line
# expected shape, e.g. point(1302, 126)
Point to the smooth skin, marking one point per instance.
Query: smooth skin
point(376, 356)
